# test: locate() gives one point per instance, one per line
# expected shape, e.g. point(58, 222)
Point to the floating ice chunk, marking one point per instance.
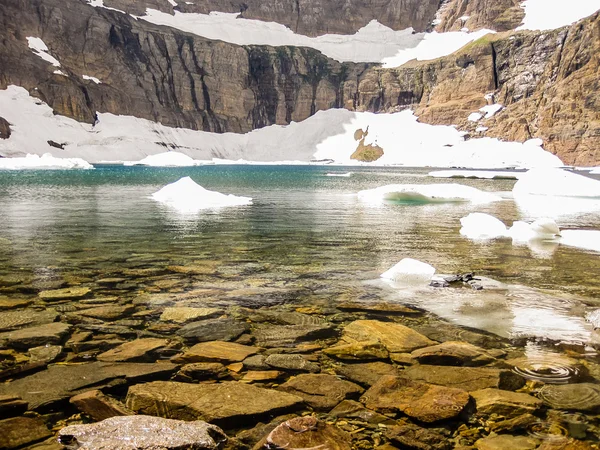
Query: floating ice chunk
point(541, 229)
point(426, 193)
point(482, 174)
point(186, 196)
point(410, 271)
point(490, 110)
point(339, 174)
point(46, 161)
point(551, 14)
point(584, 239)
point(558, 182)
point(41, 49)
point(166, 159)
point(482, 226)
point(94, 79)
point(474, 117)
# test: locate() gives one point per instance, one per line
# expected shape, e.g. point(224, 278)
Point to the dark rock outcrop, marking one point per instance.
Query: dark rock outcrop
point(499, 15)
point(4, 128)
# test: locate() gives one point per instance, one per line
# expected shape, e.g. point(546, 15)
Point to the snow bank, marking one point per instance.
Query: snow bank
point(480, 226)
point(556, 182)
point(327, 136)
point(90, 78)
point(550, 14)
point(477, 174)
point(46, 161)
point(410, 271)
point(584, 239)
point(186, 196)
point(41, 49)
point(426, 193)
point(166, 159)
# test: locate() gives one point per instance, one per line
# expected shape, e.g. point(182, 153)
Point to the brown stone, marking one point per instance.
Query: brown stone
point(506, 441)
point(70, 293)
point(106, 312)
point(504, 403)
point(222, 403)
point(395, 337)
point(424, 402)
point(358, 351)
point(202, 371)
point(366, 374)
point(99, 406)
point(417, 438)
point(304, 433)
point(216, 351)
point(253, 376)
point(321, 391)
point(136, 350)
point(467, 378)
point(11, 405)
point(564, 444)
point(453, 353)
point(20, 431)
point(50, 333)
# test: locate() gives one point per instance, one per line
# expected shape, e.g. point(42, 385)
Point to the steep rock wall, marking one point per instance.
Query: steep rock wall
point(499, 15)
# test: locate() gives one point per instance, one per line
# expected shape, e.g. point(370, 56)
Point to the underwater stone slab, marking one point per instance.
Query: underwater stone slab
point(367, 374)
point(106, 312)
point(142, 433)
point(213, 330)
point(19, 431)
point(50, 333)
point(217, 351)
point(136, 350)
point(61, 382)
point(395, 337)
point(306, 433)
point(187, 314)
point(358, 351)
point(14, 303)
point(295, 363)
point(274, 336)
point(467, 378)
point(583, 397)
point(505, 441)
point(453, 353)
point(10, 320)
point(99, 406)
point(504, 403)
point(321, 391)
point(422, 401)
point(222, 403)
point(70, 293)
point(202, 371)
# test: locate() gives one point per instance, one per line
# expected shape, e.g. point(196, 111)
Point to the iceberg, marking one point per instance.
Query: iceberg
point(46, 161)
point(541, 229)
point(186, 196)
point(426, 193)
point(482, 226)
point(410, 271)
point(478, 174)
point(556, 182)
point(583, 239)
point(166, 159)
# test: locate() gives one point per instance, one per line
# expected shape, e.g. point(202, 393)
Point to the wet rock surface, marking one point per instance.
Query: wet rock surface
point(321, 392)
point(20, 431)
point(142, 433)
point(306, 432)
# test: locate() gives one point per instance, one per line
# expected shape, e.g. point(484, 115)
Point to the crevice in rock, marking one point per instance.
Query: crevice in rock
point(494, 67)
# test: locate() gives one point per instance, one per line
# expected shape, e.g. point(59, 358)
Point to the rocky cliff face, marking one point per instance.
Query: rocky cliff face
point(308, 17)
point(499, 15)
point(547, 81)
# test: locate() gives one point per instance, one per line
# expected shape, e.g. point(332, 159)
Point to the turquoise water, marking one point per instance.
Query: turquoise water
point(305, 231)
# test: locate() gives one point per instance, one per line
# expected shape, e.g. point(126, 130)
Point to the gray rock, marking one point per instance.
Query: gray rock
point(50, 333)
point(229, 403)
point(11, 405)
point(142, 433)
point(61, 382)
point(213, 330)
point(290, 335)
point(44, 354)
point(292, 362)
point(417, 438)
point(256, 362)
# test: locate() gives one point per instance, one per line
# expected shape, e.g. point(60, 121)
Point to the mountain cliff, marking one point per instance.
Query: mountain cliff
point(113, 62)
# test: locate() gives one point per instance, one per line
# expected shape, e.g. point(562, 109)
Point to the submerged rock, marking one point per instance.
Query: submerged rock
point(137, 350)
point(302, 433)
point(142, 433)
point(10, 320)
point(217, 351)
point(358, 351)
point(99, 406)
point(19, 431)
point(213, 330)
point(187, 314)
point(224, 403)
point(453, 353)
point(504, 403)
point(576, 397)
point(422, 401)
point(367, 374)
point(50, 333)
point(70, 293)
point(202, 371)
point(395, 337)
point(290, 335)
point(295, 363)
point(11, 405)
point(467, 378)
point(321, 391)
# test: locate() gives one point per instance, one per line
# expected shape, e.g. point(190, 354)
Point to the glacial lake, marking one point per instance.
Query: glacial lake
point(306, 238)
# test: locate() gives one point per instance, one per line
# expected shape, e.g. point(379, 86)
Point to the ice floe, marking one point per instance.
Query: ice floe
point(556, 182)
point(186, 196)
point(328, 136)
point(480, 226)
point(410, 271)
point(426, 193)
point(166, 159)
point(550, 14)
point(41, 49)
point(583, 239)
point(46, 161)
point(477, 174)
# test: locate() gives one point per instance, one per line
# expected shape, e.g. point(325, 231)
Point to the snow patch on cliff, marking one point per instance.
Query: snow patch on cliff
point(41, 49)
point(551, 14)
point(328, 136)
